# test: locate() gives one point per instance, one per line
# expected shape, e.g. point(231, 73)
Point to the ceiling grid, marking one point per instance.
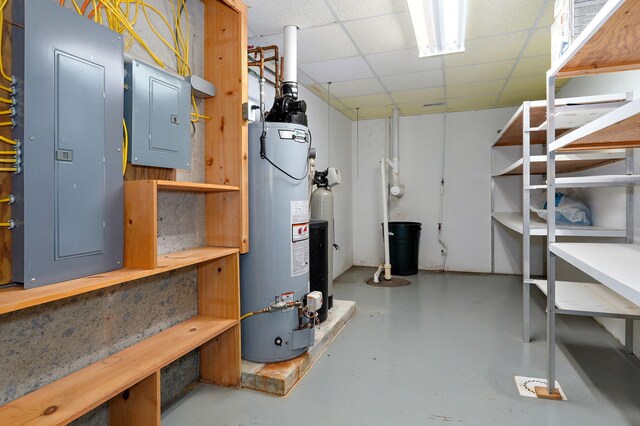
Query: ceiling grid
point(367, 50)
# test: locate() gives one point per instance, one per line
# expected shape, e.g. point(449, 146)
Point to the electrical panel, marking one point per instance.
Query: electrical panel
point(69, 101)
point(158, 115)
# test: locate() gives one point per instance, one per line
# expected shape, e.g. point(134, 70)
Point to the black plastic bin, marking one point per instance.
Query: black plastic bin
point(404, 247)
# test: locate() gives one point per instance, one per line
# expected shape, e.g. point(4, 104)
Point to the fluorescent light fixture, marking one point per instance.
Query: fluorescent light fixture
point(439, 25)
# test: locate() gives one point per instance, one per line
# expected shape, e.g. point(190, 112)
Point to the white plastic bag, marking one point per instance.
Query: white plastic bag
point(569, 210)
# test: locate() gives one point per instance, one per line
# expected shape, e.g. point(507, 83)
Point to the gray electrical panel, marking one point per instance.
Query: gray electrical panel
point(69, 195)
point(158, 115)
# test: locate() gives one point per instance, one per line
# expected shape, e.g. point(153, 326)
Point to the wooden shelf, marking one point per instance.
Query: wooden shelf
point(16, 298)
point(538, 227)
point(608, 44)
point(571, 113)
point(575, 298)
point(614, 265)
point(565, 163)
point(169, 185)
point(617, 129)
point(76, 394)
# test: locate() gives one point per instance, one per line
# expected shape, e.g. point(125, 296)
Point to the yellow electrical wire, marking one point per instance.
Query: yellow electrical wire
point(7, 140)
point(6, 112)
point(125, 147)
point(6, 101)
point(117, 15)
point(5, 200)
point(8, 169)
point(6, 123)
point(8, 152)
point(8, 160)
point(6, 224)
point(247, 315)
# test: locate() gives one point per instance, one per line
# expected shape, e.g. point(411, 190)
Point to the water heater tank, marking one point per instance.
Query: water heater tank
point(277, 265)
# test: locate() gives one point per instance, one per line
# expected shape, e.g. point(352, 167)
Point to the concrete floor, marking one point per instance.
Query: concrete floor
point(443, 350)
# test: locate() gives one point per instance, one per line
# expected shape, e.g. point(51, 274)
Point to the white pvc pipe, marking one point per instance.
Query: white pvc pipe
point(385, 219)
point(396, 190)
point(291, 53)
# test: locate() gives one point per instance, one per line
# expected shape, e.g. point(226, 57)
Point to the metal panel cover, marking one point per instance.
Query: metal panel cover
point(158, 115)
point(69, 197)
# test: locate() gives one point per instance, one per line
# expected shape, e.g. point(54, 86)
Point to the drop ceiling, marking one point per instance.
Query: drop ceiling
point(361, 55)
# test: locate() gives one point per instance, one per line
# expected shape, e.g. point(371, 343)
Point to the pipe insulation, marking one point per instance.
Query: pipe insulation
point(290, 54)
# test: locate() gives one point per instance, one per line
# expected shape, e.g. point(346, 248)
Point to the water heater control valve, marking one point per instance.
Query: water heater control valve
point(314, 301)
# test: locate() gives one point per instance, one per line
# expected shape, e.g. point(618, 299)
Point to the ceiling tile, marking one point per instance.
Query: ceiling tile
point(540, 43)
point(304, 78)
point(419, 109)
point(367, 113)
point(344, 69)
point(490, 49)
point(367, 101)
point(475, 89)
point(402, 61)
point(471, 103)
point(516, 98)
point(481, 72)
point(358, 9)
point(268, 17)
point(322, 43)
point(382, 34)
point(523, 84)
point(418, 80)
point(533, 65)
point(349, 113)
point(422, 96)
point(491, 17)
point(367, 86)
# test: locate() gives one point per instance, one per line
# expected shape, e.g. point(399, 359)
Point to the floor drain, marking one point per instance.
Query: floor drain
point(393, 282)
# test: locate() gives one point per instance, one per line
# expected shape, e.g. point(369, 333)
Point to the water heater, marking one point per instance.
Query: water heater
point(276, 269)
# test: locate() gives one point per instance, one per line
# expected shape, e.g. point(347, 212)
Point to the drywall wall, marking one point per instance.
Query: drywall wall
point(607, 204)
point(42, 344)
point(456, 146)
point(333, 149)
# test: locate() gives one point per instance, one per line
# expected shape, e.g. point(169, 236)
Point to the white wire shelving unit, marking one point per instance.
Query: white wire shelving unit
point(608, 44)
point(526, 127)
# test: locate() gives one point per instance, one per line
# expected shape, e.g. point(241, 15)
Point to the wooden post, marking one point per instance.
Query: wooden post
point(226, 148)
point(139, 405)
point(141, 224)
point(219, 296)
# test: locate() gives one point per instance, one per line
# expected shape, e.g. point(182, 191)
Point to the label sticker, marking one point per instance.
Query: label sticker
point(299, 237)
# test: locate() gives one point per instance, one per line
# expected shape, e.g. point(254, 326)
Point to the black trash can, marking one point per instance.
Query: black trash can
point(404, 247)
point(318, 263)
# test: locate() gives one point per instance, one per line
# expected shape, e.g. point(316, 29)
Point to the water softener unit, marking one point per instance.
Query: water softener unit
point(275, 272)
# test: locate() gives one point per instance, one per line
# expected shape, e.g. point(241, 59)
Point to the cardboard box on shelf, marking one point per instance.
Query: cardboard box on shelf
point(571, 17)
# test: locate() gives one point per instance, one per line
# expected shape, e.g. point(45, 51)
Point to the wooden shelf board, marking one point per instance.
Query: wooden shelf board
point(16, 298)
point(608, 44)
point(619, 128)
point(538, 227)
point(78, 393)
point(565, 163)
point(169, 185)
point(571, 113)
point(589, 298)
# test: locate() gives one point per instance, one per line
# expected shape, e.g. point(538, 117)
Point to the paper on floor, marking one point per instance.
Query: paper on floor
point(526, 386)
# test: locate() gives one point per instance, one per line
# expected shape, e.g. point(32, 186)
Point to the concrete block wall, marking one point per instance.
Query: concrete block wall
point(44, 343)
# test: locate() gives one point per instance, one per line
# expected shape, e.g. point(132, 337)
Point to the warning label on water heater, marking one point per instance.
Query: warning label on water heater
point(299, 238)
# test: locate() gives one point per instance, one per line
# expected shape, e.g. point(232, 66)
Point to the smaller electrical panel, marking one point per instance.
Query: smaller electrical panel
point(158, 116)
